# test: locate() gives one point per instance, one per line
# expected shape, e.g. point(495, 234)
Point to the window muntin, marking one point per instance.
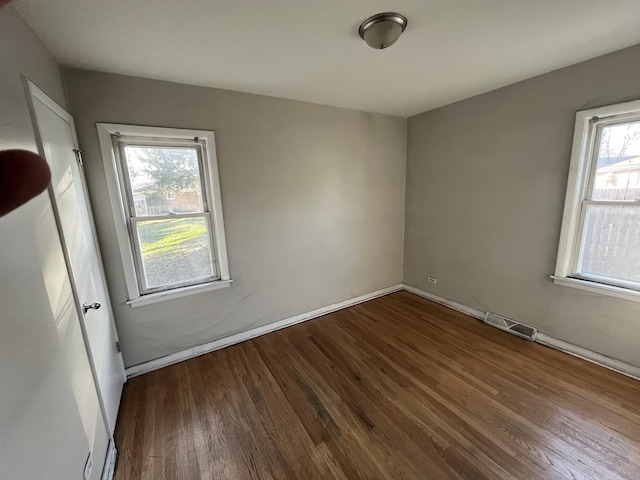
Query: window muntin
point(608, 236)
point(167, 205)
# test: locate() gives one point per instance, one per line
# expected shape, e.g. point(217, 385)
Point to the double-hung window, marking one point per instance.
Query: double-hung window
point(600, 239)
point(165, 193)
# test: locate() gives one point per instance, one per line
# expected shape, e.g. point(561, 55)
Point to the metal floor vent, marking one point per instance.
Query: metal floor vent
point(511, 326)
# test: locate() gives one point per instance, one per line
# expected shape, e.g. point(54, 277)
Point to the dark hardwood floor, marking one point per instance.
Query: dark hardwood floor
point(397, 387)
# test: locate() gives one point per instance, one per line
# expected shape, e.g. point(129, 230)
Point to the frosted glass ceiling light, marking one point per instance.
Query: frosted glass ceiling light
point(382, 30)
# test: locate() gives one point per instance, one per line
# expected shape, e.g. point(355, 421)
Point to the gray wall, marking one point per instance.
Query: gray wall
point(486, 179)
point(46, 388)
point(313, 201)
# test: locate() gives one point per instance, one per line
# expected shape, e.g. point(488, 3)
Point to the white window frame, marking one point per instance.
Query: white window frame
point(119, 206)
point(581, 174)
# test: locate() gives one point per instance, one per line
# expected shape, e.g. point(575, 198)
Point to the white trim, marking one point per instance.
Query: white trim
point(116, 196)
point(216, 209)
point(158, 363)
point(593, 357)
point(50, 103)
point(621, 109)
point(586, 137)
point(34, 92)
point(109, 468)
point(598, 288)
point(624, 368)
point(178, 292)
point(447, 303)
point(612, 203)
point(117, 208)
point(581, 154)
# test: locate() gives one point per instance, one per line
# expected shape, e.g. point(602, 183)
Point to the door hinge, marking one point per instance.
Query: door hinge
point(78, 153)
point(118, 347)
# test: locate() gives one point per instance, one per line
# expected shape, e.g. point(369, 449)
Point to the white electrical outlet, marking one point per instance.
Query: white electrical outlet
point(432, 279)
point(88, 467)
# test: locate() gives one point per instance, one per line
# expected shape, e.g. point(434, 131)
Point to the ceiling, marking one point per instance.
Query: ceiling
point(310, 50)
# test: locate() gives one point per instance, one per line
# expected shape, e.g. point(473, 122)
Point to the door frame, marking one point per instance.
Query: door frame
point(34, 92)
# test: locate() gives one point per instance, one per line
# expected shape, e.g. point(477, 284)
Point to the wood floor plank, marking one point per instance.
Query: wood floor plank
point(343, 428)
point(394, 388)
point(386, 441)
point(493, 427)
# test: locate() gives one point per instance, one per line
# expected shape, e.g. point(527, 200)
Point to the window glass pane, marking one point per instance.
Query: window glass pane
point(164, 180)
point(611, 243)
point(175, 251)
point(618, 168)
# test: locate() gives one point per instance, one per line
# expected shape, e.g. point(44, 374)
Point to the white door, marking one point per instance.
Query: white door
point(57, 136)
point(50, 416)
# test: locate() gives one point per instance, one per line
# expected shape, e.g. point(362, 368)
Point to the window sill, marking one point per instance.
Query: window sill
point(177, 293)
point(599, 288)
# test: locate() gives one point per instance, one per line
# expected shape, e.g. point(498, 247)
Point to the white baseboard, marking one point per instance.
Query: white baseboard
point(110, 462)
point(253, 333)
point(547, 340)
point(586, 354)
point(443, 301)
point(541, 338)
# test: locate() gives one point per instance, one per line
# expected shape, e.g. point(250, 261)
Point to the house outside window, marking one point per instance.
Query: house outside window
point(600, 239)
point(165, 193)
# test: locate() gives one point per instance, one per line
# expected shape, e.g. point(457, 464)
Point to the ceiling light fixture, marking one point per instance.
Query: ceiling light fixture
point(382, 30)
